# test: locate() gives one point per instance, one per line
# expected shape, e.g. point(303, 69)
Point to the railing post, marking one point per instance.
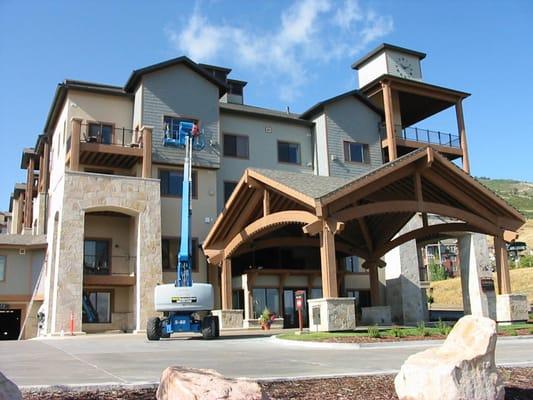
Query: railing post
point(123, 143)
point(439, 137)
point(147, 152)
point(75, 144)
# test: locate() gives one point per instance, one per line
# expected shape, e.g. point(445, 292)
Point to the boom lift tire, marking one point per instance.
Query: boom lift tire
point(153, 328)
point(210, 327)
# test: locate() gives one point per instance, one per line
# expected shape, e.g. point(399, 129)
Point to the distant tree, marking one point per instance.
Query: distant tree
point(437, 272)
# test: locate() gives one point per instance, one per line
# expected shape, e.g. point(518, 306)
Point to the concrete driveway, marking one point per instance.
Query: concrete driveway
point(120, 359)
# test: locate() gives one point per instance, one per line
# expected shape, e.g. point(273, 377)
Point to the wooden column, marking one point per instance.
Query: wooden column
point(75, 145)
point(227, 299)
point(389, 121)
point(462, 134)
point(266, 202)
point(375, 296)
point(28, 205)
point(147, 152)
point(502, 266)
point(44, 174)
point(328, 263)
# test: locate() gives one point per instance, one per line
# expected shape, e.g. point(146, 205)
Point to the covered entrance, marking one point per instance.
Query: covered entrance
point(366, 217)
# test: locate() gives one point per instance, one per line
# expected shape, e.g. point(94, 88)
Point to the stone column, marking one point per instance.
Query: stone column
point(75, 138)
point(147, 152)
point(328, 263)
point(404, 294)
point(475, 266)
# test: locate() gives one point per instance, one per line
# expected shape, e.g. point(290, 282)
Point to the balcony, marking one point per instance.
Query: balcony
point(411, 138)
point(110, 271)
point(104, 145)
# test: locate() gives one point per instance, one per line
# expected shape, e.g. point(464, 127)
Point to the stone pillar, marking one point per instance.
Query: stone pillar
point(478, 299)
point(227, 299)
point(75, 138)
point(404, 294)
point(462, 134)
point(147, 152)
point(328, 263)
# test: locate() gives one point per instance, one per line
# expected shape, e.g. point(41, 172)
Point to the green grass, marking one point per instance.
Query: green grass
point(395, 332)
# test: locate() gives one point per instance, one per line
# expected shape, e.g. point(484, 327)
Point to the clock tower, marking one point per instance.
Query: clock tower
point(392, 60)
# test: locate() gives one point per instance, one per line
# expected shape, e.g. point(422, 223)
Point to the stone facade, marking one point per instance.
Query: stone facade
point(511, 308)
point(89, 192)
point(331, 314)
point(229, 319)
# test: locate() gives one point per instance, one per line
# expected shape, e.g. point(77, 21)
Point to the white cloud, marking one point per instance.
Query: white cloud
point(309, 31)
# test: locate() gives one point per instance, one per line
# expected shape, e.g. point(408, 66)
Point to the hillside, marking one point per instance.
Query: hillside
point(519, 194)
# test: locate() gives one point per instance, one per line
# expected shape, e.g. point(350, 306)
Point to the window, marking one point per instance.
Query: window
point(235, 88)
point(265, 298)
point(356, 152)
point(97, 307)
point(289, 152)
point(172, 181)
point(362, 297)
point(169, 251)
point(229, 187)
point(100, 133)
point(3, 262)
point(236, 146)
point(172, 125)
point(353, 264)
point(96, 256)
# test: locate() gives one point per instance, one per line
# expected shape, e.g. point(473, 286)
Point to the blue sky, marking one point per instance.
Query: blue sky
point(291, 53)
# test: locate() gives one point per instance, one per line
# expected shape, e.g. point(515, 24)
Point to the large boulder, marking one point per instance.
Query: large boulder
point(462, 367)
point(181, 383)
point(8, 390)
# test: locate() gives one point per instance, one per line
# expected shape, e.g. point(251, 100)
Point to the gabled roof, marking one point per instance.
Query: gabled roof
point(138, 73)
point(355, 93)
point(262, 112)
point(386, 46)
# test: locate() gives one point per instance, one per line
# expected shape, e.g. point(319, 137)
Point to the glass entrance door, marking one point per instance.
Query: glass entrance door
point(290, 314)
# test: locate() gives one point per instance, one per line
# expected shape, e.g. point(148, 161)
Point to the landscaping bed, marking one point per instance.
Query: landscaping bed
point(376, 335)
point(518, 386)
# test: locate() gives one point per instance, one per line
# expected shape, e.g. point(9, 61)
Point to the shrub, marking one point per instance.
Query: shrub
point(443, 327)
point(421, 329)
point(437, 272)
point(396, 331)
point(526, 262)
point(373, 332)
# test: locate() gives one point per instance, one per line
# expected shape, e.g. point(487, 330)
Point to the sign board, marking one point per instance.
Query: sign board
point(300, 298)
point(487, 284)
point(316, 315)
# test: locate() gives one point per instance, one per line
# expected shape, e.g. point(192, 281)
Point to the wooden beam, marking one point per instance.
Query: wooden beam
point(462, 134)
point(366, 234)
point(28, 204)
point(328, 264)
point(502, 266)
point(226, 285)
point(147, 152)
point(389, 121)
point(75, 138)
point(266, 202)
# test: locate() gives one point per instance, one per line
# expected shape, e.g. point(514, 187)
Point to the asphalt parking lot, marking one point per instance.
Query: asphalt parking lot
point(127, 358)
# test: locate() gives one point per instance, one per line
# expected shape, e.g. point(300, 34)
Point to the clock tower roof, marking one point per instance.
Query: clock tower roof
point(386, 46)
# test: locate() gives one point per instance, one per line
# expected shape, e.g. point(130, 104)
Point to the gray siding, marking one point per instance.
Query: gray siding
point(263, 147)
point(350, 120)
point(178, 91)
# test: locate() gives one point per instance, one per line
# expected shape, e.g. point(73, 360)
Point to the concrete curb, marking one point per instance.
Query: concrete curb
point(89, 387)
point(376, 346)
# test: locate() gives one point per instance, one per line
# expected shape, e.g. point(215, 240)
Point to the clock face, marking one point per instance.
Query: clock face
point(404, 67)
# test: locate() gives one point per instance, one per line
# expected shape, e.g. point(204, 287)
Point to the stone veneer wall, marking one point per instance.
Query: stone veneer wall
point(88, 192)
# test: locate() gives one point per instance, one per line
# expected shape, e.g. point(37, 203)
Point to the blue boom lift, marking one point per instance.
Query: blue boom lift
point(186, 305)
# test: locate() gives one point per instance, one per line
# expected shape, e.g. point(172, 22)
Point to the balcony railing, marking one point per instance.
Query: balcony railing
point(106, 134)
point(115, 265)
point(426, 136)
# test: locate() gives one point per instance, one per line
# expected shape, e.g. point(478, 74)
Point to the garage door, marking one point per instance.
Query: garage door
point(10, 324)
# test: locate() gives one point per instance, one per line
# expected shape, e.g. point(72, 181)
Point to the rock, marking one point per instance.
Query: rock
point(181, 383)
point(8, 390)
point(461, 368)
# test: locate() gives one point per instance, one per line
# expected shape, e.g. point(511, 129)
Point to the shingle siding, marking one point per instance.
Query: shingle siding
point(350, 120)
point(178, 91)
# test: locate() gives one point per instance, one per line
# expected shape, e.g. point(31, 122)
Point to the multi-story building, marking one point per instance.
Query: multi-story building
point(106, 191)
